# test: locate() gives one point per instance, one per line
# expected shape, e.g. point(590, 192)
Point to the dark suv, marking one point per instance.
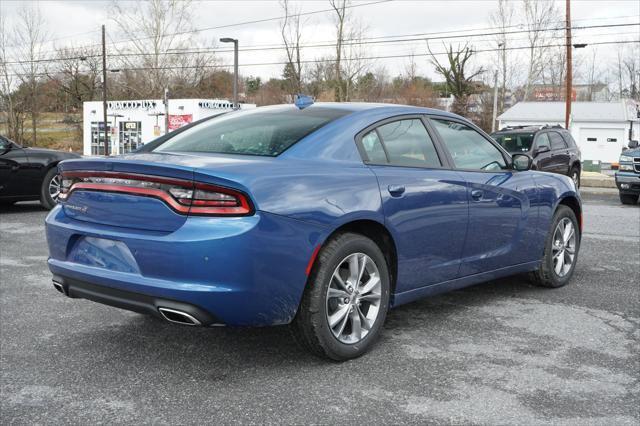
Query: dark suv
point(551, 147)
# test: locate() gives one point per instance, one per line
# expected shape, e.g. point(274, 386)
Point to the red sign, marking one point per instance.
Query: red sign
point(177, 121)
point(552, 94)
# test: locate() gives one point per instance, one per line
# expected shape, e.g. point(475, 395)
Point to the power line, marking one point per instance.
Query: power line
point(398, 56)
point(365, 41)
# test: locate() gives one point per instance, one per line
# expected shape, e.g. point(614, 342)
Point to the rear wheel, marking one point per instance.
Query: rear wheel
point(50, 190)
point(629, 199)
point(561, 250)
point(346, 301)
point(575, 175)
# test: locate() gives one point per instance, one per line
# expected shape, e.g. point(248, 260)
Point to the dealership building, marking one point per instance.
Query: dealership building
point(133, 123)
point(601, 129)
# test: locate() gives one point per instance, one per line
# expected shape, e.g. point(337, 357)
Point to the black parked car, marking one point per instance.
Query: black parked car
point(552, 148)
point(29, 173)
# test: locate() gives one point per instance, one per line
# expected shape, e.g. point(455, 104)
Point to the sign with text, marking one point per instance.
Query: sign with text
point(177, 121)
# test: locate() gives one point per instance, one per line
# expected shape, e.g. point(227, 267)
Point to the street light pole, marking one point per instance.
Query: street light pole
point(495, 101)
point(104, 93)
point(236, 104)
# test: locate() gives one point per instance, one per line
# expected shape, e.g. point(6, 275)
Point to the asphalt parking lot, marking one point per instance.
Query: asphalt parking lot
point(505, 352)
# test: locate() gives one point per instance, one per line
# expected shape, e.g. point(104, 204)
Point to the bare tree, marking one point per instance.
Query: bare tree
point(340, 8)
point(502, 19)
point(354, 63)
point(29, 36)
point(291, 32)
point(540, 15)
point(160, 43)
point(457, 75)
point(8, 102)
point(77, 74)
point(631, 70)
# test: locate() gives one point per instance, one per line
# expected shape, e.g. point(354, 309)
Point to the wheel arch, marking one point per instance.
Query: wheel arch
point(574, 204)
point(380, 235)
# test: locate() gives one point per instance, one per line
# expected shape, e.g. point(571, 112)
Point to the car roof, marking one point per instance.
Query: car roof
point(529, 129)
point(367, 106)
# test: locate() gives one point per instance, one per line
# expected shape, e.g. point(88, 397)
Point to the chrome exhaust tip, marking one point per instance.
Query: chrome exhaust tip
point(178, 317)
point(59, 287)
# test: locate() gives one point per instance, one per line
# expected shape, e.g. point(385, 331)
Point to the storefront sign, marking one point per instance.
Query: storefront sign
point(119, 105)
point(177, 121)
point(215, 104)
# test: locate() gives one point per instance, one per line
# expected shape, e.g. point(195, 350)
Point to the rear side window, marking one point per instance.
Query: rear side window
point(468, 148)
point(556, 141)
point(401, 143)
point(257, 132)
point(408, 144)
point(373, 148)
point(569, 139)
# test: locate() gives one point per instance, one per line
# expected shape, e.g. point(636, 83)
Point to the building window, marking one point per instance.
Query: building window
point(130, 136)
point(97, 137)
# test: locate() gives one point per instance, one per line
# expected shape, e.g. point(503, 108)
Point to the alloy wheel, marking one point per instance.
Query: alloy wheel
point(353, 298)
point(54, 187)
point(564, 247)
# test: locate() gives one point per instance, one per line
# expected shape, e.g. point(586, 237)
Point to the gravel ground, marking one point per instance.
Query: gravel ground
point(505, 352)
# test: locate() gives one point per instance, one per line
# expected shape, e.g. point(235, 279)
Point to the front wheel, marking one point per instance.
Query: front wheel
point(50, 190)
point(561, 250)
point(346, 300)
point(631, 199)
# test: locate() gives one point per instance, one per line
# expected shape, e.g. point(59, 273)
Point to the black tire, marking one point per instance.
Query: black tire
point(575, 175)
point(545, 275)
point(46, 200)
point(310, 326)
point(631, 199)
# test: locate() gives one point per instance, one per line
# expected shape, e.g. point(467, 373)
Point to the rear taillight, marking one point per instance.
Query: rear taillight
point(183, 196)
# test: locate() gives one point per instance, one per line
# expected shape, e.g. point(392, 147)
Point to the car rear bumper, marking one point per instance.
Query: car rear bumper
point(233, 271)
point(628, 183)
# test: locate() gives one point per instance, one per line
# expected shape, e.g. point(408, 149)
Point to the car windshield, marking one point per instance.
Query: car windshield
point(515, 142)
point(259, 132)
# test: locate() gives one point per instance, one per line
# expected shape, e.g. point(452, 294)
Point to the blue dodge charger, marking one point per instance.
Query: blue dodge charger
point(323, 216)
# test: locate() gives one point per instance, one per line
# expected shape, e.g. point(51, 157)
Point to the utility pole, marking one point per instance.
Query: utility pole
point(104, 93)
point(495, 101)
point(236, 104)
point(166, 110)
point(569, 83)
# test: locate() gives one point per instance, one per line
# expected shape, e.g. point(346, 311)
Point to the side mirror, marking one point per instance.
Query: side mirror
point(521, 162)
point(633, 144)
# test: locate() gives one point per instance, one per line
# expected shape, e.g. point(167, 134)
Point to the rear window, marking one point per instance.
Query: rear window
point(515, 142)
point(257, 132)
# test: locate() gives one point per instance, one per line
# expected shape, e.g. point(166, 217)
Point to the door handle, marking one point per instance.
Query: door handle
point(395, 190)
point(476, 194)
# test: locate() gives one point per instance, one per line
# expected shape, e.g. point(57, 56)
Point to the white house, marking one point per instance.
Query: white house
point(601, 129)
point(133, 123)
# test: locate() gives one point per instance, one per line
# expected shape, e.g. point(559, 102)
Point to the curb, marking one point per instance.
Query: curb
point(597, 182)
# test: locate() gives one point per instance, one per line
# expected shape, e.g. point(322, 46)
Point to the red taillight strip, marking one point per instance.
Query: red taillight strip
point(244, 208)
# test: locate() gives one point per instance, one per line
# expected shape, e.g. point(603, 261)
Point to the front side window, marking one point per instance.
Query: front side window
point(258, 132)
point(468, 148)
point(556, 141)
point(543, 140)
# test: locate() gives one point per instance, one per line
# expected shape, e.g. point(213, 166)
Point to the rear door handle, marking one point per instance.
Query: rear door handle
point(396, 190)
point(476, 194)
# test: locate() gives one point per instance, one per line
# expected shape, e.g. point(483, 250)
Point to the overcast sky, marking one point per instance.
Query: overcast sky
point(78, 22)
